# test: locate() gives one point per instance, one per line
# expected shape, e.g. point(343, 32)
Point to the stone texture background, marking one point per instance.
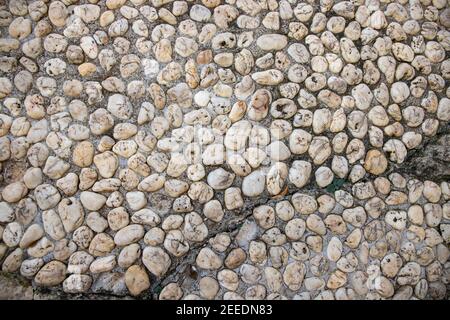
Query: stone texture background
point(98, 97)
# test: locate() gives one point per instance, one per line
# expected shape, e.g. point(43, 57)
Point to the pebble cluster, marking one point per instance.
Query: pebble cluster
point(224, 149)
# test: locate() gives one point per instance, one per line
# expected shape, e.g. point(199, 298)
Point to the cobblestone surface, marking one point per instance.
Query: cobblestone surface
point(224, 149)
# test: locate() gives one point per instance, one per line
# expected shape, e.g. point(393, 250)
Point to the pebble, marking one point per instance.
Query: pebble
point(375, 162)
point(156, 260)
point(58, 13)
point(76, 283)
point(269, 42)
point(253, 184)
point(51, 274)
point(237, 135)
point(268, 78)
point(46, 196)
point(14, 192)
point(92, 200)
point(101, 244)
point(129, 234)
point(207, 259)
point(220, 179)
point(136, 280)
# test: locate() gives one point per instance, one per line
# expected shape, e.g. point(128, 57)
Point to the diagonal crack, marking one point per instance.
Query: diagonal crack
point(182, 267)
